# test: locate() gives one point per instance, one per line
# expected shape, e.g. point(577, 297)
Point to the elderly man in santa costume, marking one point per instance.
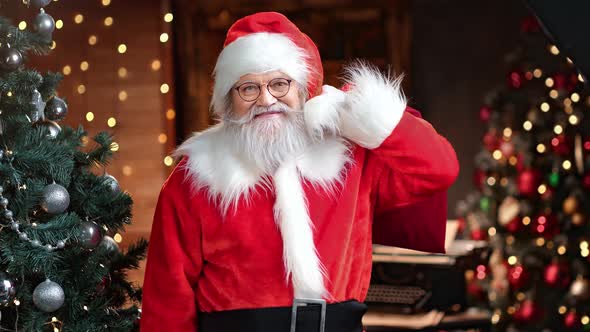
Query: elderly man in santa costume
point(267, 222)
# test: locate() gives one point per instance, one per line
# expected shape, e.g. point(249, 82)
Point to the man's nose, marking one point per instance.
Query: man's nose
point(265, 98)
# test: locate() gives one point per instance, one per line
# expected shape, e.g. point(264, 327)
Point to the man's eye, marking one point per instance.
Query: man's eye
point(249, 88)
point(279, 85)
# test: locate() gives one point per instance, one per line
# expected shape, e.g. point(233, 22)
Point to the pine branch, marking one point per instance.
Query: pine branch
point(103, 153)
point(92, 196)
point(21, 84)
point(24, 41)
point(50, 82)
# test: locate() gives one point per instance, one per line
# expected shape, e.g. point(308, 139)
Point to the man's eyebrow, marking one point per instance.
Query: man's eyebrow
point(248, 81)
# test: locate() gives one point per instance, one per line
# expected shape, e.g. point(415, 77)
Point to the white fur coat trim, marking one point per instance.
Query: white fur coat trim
point(300, 257)
point(227, 177)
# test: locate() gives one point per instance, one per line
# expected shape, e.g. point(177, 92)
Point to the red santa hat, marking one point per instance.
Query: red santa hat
point(263, 42)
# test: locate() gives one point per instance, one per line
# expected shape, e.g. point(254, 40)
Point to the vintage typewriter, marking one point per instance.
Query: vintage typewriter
point(408, 281)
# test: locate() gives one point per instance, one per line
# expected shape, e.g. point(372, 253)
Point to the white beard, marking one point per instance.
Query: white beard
point(272, 143)
point(268, 141)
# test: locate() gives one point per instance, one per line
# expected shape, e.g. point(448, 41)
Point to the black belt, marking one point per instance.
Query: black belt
point(308, 315)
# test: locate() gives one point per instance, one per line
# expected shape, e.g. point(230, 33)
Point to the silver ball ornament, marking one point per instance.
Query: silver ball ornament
point(52, 127)
point(44, 24)
point(48, 296)
point(8, 214)
point(90, 236)
point(56, 109)
point(56, 199)
point(10, 58)
point(109, 244)
point(112, 182)
point(7, 289)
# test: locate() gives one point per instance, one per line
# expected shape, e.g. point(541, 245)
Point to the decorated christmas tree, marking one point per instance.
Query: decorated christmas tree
point(60, 269)
point(533, 192)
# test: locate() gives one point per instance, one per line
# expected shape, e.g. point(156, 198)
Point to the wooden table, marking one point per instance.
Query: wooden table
point(382, 321)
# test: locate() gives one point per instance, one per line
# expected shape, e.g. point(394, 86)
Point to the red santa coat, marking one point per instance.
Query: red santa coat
point(204, 259)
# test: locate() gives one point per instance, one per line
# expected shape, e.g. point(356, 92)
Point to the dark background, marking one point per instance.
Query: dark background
point(458, 51)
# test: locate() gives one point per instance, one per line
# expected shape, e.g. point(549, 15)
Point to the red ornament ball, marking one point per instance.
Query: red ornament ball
point(479, 178)
point(528, 181)
point(548, 194)
point(461, 223)
point(572, 320)
point(518, 277)
point(484, 113)
point(545, 225)
point(529, 24)
point(515, 80)
point(479, 234)
point(490, 141)
point(557, 274)
point(507, 148)
point(560, 145)
point(586, 181)
point(515, 225)
point(476, 290)
point(529, 311)
point(560, 82)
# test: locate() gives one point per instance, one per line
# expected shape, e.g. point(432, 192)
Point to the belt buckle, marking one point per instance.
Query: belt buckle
point(301, 302)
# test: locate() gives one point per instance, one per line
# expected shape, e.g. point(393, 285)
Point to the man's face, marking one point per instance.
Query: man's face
point(267, 127)
point(277, 81)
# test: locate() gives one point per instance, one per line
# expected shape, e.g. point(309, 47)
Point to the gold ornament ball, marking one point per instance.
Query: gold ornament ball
point(570, 205)
point(508, 210)
point(580, 289)
point(578, 219)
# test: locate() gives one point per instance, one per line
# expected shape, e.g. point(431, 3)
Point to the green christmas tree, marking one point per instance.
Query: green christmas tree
point(60, 269)
point(533, 197)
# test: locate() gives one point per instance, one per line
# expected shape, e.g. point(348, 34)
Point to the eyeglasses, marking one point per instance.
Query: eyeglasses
point(277, 87)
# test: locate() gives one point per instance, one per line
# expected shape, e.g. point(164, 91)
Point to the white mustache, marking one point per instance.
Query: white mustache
point(256, 110)
point(275, 108)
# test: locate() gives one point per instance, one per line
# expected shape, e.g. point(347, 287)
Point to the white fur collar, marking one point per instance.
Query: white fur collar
point(214, 165)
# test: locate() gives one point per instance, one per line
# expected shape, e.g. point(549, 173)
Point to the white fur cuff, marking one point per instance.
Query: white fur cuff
point(366, 115)
point(375, 106)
